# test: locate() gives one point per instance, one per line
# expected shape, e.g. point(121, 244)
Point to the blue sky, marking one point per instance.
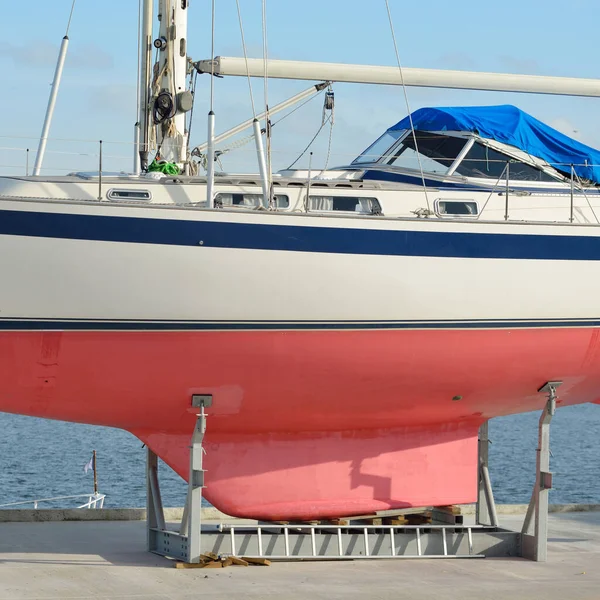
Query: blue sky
point(97, 99)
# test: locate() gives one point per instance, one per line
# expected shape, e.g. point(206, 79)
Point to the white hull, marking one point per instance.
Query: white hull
point(47, 277)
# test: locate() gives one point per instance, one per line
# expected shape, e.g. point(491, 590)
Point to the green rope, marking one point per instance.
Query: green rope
point(162, 166)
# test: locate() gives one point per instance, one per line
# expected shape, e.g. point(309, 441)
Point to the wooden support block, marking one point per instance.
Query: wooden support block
point(400, 520)
point(265, 562)
point(418, 519)
point(372, 521)
point(215, 564)
point(335, 522)
point(209, 556)
point(182, 565)
point(240, 562)
point(451, 509)
point(450, 515)
point(201, 565)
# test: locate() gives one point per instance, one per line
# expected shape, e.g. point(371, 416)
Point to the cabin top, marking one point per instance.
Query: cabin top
point(478, 142)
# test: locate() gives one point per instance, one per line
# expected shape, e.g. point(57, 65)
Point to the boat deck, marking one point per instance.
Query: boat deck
point(107, 560)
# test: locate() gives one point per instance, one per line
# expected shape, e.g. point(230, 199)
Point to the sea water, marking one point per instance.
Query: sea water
point(43, 459)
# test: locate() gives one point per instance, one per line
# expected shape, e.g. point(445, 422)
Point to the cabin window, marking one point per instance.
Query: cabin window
point(457, 208)
point(482, 161)
point(437, 152)
point(355, 204)
point(123, 194)
point(249, 200)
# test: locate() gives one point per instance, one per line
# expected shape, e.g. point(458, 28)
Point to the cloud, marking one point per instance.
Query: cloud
point(586, 136)
point(565, 126)
point(253, 50)
point(42, 54)
point(515, 64)
point(112, 98)
point(91, 56)
point(456, 61)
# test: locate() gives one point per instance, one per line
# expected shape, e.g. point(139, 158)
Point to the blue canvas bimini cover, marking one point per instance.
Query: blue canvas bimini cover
point(509, 125)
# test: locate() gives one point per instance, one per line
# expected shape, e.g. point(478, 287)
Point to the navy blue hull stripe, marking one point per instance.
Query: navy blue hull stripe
point(93, 325)
point(295, 238)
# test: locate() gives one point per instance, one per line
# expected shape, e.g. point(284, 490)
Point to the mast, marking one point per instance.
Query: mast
point(145, 50)
point(171, 99)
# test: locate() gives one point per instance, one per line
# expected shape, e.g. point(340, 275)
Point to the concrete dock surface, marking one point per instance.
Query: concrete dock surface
point(107, 560)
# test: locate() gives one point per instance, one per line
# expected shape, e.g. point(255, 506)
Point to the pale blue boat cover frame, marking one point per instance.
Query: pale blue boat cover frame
point(512, 126)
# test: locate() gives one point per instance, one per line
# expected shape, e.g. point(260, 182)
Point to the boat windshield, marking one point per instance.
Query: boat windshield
point(378, 148)
point(437, 152)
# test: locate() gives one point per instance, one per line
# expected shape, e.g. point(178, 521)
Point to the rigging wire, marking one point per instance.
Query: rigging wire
point(70, 17)
point(245, 140)
point(311, 141)
point(500, 177)
point(266, 98)
point(260, 153)
point(210, 151)
point(329, 104)
point(581, 188)
point(212, 57)
point(331, 123)
point(139, 62)
point(239, 12)
point(412, 128)
point(265, 55)
point(192, 166)
point(294, 110)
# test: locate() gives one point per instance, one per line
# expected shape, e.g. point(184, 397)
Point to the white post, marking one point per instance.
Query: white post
point(308, 181)
point(136, 150)
point(39, 159)
point(262, 164)
point(210, 161)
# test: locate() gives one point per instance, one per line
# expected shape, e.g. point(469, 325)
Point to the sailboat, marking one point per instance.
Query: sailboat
point(354, 327)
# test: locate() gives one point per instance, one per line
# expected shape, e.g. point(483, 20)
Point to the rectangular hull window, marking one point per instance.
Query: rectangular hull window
point(248, 200)
point(125, 194)
point(354, 204)
point(456, 208)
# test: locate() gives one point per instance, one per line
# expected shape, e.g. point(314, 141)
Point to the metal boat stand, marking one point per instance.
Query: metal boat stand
point(533, 538)
point(485, 509)
point(308, 541)
point(535, 527)
point(185, 544)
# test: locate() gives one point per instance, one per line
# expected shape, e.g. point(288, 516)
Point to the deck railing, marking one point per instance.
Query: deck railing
point(93, 501)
